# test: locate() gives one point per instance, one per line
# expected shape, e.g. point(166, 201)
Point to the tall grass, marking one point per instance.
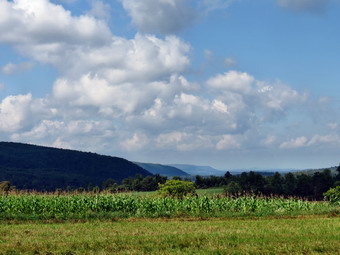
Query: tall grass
point(85, 206)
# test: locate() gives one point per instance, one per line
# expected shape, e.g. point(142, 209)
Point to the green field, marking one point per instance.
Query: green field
point(148, 224)
point(299, 235)
point(108, 206)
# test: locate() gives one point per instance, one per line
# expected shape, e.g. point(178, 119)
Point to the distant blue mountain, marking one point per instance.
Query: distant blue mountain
point(208, 170)
point(313, 171)
point(199, 170)
point(163, 170)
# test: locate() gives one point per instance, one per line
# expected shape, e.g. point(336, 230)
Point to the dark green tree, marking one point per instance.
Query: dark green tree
point(275, 184)
point(252, 182)
point(110, 185)
point(228, 177)
point(289, 184)
point(304, 186)
point(177, 178)
point(338, 175)
point(149, 183)
point(199, 182)
point(233, 189)
point(322, 181)
point(177, 189)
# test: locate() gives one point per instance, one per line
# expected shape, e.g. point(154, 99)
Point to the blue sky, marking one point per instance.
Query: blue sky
point(226, 83)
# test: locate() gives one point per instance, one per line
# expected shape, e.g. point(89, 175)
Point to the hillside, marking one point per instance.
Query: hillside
point(44, 168)
point(199, 170)
point(163, 170)
point(310, 172)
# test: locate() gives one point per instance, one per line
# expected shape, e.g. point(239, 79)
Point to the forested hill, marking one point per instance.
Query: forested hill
point(44, 168)
point(163, 170)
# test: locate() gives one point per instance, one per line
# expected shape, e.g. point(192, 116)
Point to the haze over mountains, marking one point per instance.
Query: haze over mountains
point(199, 170)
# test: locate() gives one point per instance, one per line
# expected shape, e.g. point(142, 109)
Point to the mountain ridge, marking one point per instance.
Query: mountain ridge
point(37, 167)
point(164, 170)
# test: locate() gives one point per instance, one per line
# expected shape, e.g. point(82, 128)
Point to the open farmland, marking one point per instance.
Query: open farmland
point(266, 235)
point(108, 206)
point(147, 224)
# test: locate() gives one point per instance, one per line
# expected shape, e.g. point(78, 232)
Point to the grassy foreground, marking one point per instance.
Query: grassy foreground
point(300, 235)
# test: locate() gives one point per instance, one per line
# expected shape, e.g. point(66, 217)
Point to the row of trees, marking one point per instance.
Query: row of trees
point(136, 183)
point(312, 186)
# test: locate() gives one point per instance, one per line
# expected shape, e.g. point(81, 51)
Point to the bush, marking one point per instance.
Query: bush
point(333, 195)
point(233, 189)
point(5, 187)
point(177, 189)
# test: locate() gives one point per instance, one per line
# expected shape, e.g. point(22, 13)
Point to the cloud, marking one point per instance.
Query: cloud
point(67, 1)
point(14, 111)
point(313, 6)
point(21, 112)
point(35, 28)
point(84, 44)
point(183, 141)
point(324, 139)
point(228, 142)
point(116, 99)
point(150, 109)
point(246, 97)
point(269, 140)
point(160, 16)
point(229, 62)
point(135, 143)
point(294, 143)
point(170, 16)
point(100, 9)
point(232, 81)
point(333, 125)
point(115, 94)
point(71, 134)
point(11, 68)
point(315, 140)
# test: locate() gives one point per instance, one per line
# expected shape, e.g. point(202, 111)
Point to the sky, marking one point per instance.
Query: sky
point(234, 84)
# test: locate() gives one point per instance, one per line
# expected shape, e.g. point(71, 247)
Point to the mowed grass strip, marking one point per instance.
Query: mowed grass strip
point(309, 235)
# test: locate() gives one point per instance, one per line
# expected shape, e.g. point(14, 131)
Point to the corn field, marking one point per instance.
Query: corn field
point(86, 206)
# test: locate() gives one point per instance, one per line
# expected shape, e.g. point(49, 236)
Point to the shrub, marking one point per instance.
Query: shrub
point(5, 187)
point(233, 189)
point(333, 195)
point(177, 188)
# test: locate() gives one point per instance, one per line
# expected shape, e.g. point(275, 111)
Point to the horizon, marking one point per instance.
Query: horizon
point(223, 83)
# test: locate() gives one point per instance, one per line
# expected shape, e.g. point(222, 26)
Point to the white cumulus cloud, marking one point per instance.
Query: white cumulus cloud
point(115, 93)
point(295, 143)
point(232, 81)
point(135, 143)
point(228, 142)
point(160, 16)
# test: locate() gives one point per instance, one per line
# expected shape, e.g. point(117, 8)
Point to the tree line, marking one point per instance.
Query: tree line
point(290, 184)
point(302, 185)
